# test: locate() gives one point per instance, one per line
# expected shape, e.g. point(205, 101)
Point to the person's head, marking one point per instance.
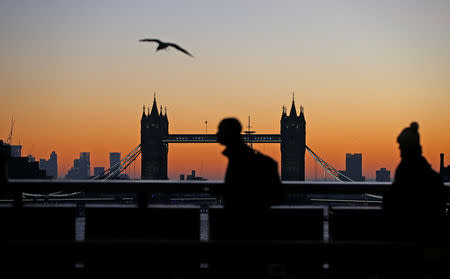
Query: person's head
point(229, 132)
point(409, 141)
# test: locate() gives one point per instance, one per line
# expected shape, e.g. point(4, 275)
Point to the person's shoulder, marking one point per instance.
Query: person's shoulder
point(260, 155)
point(264, 158)
point(434, 175)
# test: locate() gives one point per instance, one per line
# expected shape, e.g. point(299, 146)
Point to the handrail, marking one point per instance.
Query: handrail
point(173, 186)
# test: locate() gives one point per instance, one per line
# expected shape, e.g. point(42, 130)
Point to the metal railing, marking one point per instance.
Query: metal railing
point(144, 192)
point(335, 256)
point(173, 186)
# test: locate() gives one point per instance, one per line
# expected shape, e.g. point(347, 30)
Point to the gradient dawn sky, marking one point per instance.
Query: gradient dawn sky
point(75, 77)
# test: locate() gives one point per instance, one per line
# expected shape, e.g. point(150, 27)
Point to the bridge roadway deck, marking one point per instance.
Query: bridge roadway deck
point(212, 138)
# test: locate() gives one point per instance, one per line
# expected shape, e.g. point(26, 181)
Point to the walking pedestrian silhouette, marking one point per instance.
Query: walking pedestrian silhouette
point(4, 155)
point(415, 203)
point(252, 185)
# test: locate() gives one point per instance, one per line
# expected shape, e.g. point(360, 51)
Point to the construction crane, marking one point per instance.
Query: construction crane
point(9, 139)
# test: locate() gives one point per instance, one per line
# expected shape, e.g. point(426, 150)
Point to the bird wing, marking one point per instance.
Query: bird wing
point(150, 40)
point(180, 49)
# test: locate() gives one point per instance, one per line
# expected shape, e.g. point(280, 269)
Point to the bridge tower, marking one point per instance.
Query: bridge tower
point(293, 142)
point(154, 127)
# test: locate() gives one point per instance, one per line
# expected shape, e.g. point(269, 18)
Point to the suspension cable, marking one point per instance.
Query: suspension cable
point(327, 167)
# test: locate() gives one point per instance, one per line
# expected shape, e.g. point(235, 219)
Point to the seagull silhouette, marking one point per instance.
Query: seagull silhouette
point(164, 45)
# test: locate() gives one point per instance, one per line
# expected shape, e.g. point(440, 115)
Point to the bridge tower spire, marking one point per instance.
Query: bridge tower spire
point(293, 112)
point(293, 142)
point(143, 112)
point(154, 128)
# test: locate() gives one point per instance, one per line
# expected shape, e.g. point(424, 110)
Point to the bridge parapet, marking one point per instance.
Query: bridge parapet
point(121, 255)
point(175, 186)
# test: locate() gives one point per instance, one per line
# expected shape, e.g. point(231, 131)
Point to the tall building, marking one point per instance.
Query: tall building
point(293, 140)
point(85, 164)
point(353, 166)
point(53, 165)
point(22, 168)
point(16, 150)
point(383, 175)
point(50, 165)
point(81, 167)
point(154, 127)
point(19, 167)
point(192, 176)
point(98, 171)
point(444, 171)
point(114, 160)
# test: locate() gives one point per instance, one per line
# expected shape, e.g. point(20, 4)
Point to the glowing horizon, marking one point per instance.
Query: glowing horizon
point(208, 161)
point(75, 77)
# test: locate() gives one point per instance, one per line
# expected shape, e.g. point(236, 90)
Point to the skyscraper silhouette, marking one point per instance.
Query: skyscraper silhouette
point(98, 171)
point(383, 175)
point(114, 159)
point(353, 166)
point(50, 165)
point(81, 167)
point(85, 165)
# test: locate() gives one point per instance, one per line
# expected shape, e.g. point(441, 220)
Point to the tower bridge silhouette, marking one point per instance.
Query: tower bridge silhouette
point(155, 139)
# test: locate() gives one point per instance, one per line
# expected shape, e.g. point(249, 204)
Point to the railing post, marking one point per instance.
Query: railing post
point(80, 206)
point(17, 199)
point(142, 200)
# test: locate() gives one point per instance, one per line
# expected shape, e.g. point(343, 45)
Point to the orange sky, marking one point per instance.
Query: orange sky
point(75, 77)
point(329, 137)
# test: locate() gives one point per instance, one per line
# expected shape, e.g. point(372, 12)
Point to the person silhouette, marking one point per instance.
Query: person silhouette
point(4, 155)
point(415, 203)
point(252, 184)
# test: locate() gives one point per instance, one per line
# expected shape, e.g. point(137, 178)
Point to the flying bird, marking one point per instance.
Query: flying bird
point(165, 45)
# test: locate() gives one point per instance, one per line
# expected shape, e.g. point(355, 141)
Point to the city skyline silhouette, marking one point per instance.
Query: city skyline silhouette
point(353, 162)
point(134, 171)
point(75, 77)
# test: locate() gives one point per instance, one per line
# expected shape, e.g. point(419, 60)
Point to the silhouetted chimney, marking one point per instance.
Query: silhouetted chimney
point(442, 163)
